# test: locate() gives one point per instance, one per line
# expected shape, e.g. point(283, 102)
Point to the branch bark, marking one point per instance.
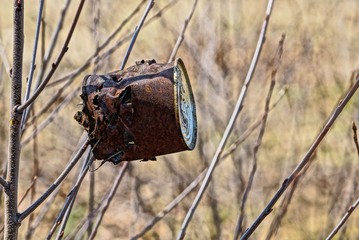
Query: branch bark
point(11, 193)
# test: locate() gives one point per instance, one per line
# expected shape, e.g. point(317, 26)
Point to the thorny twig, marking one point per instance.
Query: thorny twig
point(55, 184)
point(181, 36)
point(56, 63)
point(230, 125)
point(135, 34)
point(333, 117)
point(258, 143)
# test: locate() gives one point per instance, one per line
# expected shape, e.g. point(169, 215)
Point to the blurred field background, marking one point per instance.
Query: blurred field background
point(321, 51)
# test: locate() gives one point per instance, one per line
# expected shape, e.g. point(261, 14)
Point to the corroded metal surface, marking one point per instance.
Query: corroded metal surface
point(143, 111)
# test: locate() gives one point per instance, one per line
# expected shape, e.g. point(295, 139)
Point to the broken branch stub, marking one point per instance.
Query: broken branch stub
point(138, 113)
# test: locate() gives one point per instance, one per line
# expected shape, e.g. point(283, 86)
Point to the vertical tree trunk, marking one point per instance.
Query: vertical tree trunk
point(11, 212)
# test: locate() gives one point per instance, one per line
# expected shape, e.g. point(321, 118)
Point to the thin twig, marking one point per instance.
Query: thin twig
point(63, 218)
point(87, 63)
point(135, 34)
point(35, 172)
point(333, 117)
point(286, 201)
point(27, 190)
point(79, 231)
point(352, 207)
point(72, 76)
point(32, 65)
point(343, 220)
point(39, 217)
point(55, 184)
point(3, 183)
point(56, 63)
point(230, 125)
point(200, 177)
point(258, 143)
point(109, 198)
point(181, 36)
point(96, 36)
point(47, 56)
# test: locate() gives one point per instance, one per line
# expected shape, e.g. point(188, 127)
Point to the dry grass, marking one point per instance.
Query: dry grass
point(321, 51)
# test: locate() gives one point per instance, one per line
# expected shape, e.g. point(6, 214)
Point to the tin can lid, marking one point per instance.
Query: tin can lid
point(185, 105)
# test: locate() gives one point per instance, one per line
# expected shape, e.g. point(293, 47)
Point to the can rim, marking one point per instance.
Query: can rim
point(189, 136)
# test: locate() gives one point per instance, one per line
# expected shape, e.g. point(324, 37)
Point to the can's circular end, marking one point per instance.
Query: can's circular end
point(185, 105)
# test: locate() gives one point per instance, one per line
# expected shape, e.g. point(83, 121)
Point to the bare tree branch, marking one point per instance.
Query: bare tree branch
point(47, 56)
point(200, 177)
point(67, 208)
point(352, 207)
point(286, 201)
point(229, 127)
point(333, 117)
point(87, 63)
point(181, 36)
point(35, 224)
point(343, 220)
point(135, 34)
point(4, 183)
point(56, 63)
point(55, 184)
point(11, 193)
point(258, 143)
point(33, 61)
point(109, 198)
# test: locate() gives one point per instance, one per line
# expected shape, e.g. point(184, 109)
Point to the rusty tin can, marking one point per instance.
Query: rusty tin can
point(141, 112)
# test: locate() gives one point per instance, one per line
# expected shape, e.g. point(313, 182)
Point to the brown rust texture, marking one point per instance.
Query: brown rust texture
point(130, 114)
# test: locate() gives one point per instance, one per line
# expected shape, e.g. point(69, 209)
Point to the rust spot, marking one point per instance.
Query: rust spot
point(141, 112)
